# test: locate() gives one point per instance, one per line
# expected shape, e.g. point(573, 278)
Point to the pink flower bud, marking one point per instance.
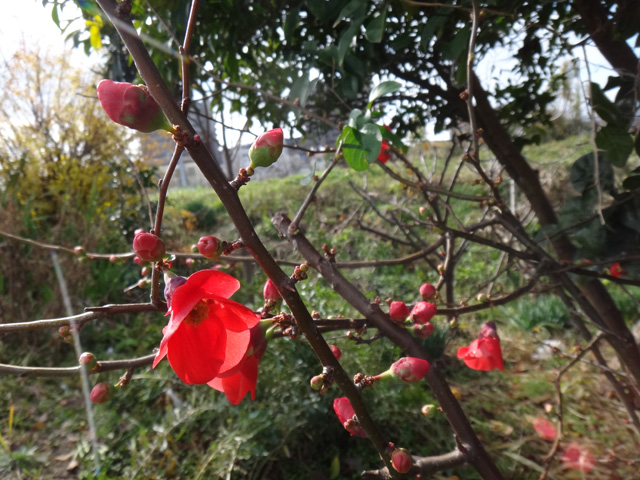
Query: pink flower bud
point(423, 331)
point(398, 311)
point(148, 247)
point(423, 312)
point(89, 360)
point(427, 291)
point(79, 250)
point(100, 393)
point(171, 284)
point(210, 247)
point(428, 410)
point(189, 262)
point(401, 460)
point(267, 148)
point(113, 259)
point(336, 351)
point(410, 369)
point(317, 382)
point(138, 261)
point(64, 331)
point(270, 292)
point(132, 106)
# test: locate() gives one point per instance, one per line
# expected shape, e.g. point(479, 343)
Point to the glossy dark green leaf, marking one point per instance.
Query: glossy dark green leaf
point(353, 149)
point(616, 143)
point(383, 89)
point(348, 9)
point(375, 28)
point(582, 174)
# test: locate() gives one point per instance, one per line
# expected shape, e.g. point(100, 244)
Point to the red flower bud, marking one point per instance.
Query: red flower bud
point(423, 331)
point(132, 106)
point(427, 291)
point(148, 247)
point(423, 312)
point(336, 351)
point(401, 460)
point(410, 369)
point(398, 311)
point(270, 292)
point(267, 148)
point(210, 247)
point(89, 360)
point(100, 393)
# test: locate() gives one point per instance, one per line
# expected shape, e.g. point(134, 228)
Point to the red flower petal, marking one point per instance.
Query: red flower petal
point(545, 428)
point(482, 354)
point(345, 413)
point(237, 386)
point(196, 353)
point(578, 457)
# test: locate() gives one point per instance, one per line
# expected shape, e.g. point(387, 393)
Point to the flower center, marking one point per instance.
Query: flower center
point(198, 313)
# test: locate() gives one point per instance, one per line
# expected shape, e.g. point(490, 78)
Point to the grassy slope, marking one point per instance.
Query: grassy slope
point(160, 428)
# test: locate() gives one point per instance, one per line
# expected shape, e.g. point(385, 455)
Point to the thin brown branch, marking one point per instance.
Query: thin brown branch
point(105, 366)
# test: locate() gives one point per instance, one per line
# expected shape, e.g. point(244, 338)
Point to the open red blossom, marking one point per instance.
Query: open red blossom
point(385, 154)
point(545, 428)
point(347, 416)
point(208, 335)
point(244, 381)
point(484, 352)
point(578, 457)
point(616, 270)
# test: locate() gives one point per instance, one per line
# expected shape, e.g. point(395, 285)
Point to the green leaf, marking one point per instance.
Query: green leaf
point(582, 173)
point(301, 88)
point(605, 108)
point(54, 15)
point(371, 141)
point(616, 143)
point(431, 28)
point(353, 150)
point(356, 119)
point(394, 139)
point(348, 9)
point(347, 37)
point(459, 44)
point(375, 28)
point(382, 89)
point(334, 471)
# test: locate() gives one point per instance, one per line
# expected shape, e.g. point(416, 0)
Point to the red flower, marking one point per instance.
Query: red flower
point(346, 415)
point(616, 270)
point(207, 335)
point(384, 155)
point(545, 428)
point(484, 352)
point(236, 386)
point(578, 457)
